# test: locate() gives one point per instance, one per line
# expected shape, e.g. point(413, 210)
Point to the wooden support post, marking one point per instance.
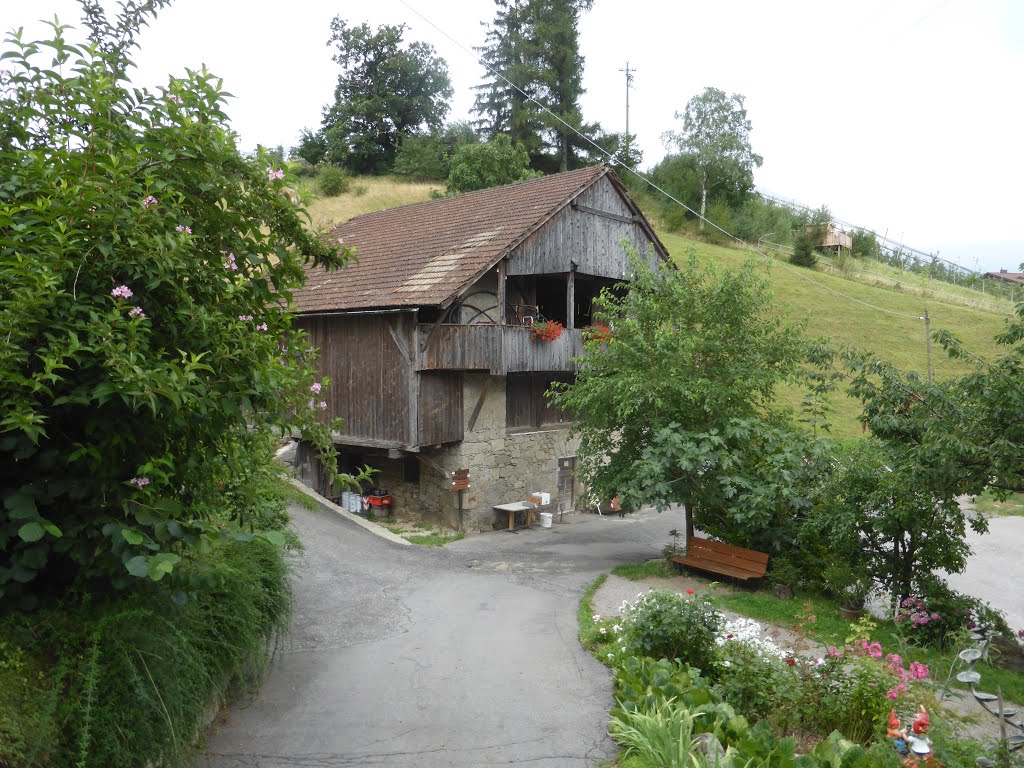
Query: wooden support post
point(570, 300)
point(502, 296)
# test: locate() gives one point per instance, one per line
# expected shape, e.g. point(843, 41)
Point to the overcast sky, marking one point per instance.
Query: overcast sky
point(903, 117)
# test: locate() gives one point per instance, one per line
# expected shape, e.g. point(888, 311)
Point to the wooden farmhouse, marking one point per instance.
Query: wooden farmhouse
point(428, 345)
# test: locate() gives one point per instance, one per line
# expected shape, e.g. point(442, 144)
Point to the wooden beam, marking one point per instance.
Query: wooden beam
point(369, 442)
point(479, 403)
point(424, 460)
point(502, 296)
point(570, 300)
point(399, 341)
point(605, 214)
point(434, 329)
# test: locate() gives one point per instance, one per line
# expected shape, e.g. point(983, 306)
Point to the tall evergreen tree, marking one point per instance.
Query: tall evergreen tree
point(532, 55)
point(561, 69)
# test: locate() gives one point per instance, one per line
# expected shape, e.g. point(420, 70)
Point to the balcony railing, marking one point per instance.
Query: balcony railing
point(499, 349)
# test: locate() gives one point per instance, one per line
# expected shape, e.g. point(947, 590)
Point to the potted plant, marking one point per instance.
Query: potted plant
point(849, 585)
point(546, 330)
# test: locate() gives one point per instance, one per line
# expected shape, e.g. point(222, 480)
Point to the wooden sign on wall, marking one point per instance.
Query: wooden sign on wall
point(460, 479)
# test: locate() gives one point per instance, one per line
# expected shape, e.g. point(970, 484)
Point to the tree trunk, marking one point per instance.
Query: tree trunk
point(565, 152)
point(689, 525)
point(703, 200)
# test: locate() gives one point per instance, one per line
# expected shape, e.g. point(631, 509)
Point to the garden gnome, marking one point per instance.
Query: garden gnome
point(918, 740)
point(894, 732)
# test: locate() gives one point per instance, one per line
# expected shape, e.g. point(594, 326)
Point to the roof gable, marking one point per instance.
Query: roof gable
point(425, 254)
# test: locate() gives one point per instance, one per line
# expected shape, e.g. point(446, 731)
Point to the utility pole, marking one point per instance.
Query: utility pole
point(928, 342)
point(629, 84)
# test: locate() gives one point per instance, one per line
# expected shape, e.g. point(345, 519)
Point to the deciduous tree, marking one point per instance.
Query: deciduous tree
point(386, 92)
point(716, 133)
point(676, 405)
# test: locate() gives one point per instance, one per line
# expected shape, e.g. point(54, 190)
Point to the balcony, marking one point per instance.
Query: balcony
point(498, 349)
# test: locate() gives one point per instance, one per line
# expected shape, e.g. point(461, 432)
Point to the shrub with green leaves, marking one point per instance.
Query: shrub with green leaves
point(668, 625)
point(333, 181)
point(145, 269)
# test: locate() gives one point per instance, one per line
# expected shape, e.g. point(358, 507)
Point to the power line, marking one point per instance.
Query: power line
point(649, 182)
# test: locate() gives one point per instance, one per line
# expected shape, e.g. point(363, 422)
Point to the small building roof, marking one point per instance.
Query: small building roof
point(1010, 277)
point(426, 254)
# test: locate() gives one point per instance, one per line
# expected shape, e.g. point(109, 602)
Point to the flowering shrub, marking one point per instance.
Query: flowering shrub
point(597, 333)
point(546, 330)
point(668, 625)
point(932, 618)
point(147, 359)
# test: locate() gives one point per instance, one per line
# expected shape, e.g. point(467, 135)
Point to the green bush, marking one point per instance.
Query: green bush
point(146, 346)
point(668, 625)
point(333, 181)
point(134, 677)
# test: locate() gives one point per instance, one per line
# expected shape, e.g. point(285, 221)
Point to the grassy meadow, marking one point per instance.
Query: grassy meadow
point(870, 305)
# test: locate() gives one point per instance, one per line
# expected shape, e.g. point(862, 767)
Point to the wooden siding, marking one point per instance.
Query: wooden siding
point(526, 405)
point(590, 240)
point(498, 349)
point(440, 410)
point(369, 361)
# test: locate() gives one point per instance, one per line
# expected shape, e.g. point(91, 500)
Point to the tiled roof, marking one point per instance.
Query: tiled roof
point(424, 254)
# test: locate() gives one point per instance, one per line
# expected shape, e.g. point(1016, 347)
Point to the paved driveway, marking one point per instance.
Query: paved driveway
point(467, 656)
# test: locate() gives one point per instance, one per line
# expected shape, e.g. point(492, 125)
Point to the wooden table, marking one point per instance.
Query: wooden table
point(517, 506)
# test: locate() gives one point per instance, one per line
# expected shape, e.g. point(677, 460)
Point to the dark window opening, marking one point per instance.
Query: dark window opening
point(525, 404)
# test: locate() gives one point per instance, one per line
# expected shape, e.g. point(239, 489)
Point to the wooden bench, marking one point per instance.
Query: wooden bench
point(716, 557)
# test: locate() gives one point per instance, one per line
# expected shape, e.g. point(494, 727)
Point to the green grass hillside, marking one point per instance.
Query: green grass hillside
point(876, 315)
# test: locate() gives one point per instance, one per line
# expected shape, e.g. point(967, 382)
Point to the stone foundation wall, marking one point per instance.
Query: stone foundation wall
point(504, 466)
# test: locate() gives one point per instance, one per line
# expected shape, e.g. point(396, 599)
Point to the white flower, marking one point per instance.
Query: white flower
point(603, 631)
point(617, 628)
point(596, 617)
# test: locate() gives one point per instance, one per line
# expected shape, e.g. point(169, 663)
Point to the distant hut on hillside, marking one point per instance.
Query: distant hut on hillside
point(835, 240)
point(1017, 278)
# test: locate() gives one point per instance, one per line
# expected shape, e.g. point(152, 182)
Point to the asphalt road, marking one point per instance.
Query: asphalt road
point(995, 569)
point(467, 656)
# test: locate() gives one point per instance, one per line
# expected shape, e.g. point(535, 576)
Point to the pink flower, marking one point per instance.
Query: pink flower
point(321, 405)
point(274, 174)
point(139, 482)
point(122, 292)
point(148, 201)
point(245, 318)
point(261, 327)
point(183, 228)
point(892, 693)
point(315, 388)
point(918, 670)
point(833, 652)
point(230, 264)
point(137, 312)
point(174, 99)
point(875, 650)
point(935, 617)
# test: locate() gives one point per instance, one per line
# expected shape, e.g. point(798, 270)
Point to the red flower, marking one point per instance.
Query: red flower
point(689, 591)
point(791, 662)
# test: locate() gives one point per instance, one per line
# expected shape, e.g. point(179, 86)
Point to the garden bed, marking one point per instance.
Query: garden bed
point(962, 730)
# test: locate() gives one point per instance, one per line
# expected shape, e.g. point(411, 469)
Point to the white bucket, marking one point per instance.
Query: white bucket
point(355, 503)
point(545, 519)
point(344, 500)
